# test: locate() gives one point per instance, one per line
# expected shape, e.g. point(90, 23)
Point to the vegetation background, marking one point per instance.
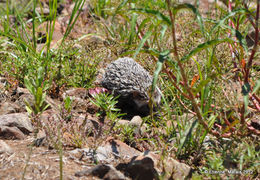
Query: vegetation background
point(206, 62)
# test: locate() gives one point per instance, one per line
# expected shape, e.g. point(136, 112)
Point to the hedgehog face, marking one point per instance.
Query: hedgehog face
point(143, 99)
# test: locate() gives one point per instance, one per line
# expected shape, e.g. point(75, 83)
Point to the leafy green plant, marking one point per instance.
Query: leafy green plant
point(107, 104)
point(37, 88)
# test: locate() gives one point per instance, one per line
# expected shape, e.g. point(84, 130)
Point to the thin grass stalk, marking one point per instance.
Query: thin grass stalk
point(7, 15)
point(73, 18)
point(53, 15)
point(229, 34)
point(33, 23)
point(35, 118)
point(60, 154)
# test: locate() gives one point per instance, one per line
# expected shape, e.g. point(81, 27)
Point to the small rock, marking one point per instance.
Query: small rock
point(41, 141)
point(123, 122)
point(78, 97)
point(142, 169)
point(3, 95)
point(43, 10)
point(76, 93)
point(145, 166)
point(19, 120)
point(114, 174)
point(5, 148)
point(136, 121)
point(3, 80)
point(103, 171)
point(8, 108)
point(176, 169)
point(49, 115)
point(99, 171)
point(21, 101)
point(20, 91)
point(113, 147)
point(11, 133)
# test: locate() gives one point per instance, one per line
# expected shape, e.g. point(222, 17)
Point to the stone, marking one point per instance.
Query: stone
point(110, 151)
point(147, 166)
point(136, 121)
point(49, 115)
point(78, 97)
point(11, 133)
point(123, 122)
point(76, 93)
point(102, 171)
point(142, 169)
point(19, 120)
point(8, 108)
point(113, 147)
point(5, 148)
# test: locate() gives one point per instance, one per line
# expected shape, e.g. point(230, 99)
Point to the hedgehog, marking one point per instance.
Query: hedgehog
point(131, 82)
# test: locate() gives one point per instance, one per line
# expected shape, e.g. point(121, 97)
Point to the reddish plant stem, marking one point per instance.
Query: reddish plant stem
point(252, 129)
point(250, 61)
point(229, 34)
point(256, 98)
point(255, 103)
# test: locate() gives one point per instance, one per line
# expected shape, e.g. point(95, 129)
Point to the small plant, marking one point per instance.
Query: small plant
point(67, 109)
point(37, 88)
point(127, 133)
point(107, 104)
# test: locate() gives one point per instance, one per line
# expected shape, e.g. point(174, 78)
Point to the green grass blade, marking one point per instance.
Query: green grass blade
point(145, 38)
point(195, 11)
point(257, 86)
point(229, 15)
point(132, 30)
point(19, 40)
point(238, 35)
point(33, 22)
point(162, 57)
point(245, 91)
point(162, 31)
point(186, 138)
point(205, 45)
point(155, 13)
point(121, 5)
point(73, 18)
